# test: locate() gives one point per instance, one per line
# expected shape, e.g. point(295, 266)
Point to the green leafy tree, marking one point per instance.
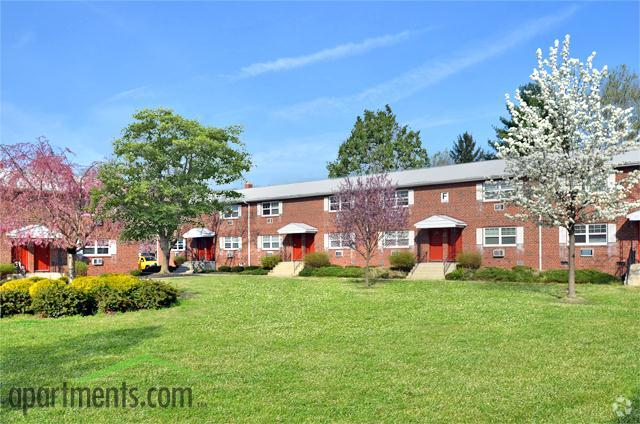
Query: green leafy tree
point(465, 150)
point(530, 94)
point(163, 174)
point(622, 89)
point(378, 144)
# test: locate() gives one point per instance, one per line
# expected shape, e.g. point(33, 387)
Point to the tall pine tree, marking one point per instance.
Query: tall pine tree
point(465, 150)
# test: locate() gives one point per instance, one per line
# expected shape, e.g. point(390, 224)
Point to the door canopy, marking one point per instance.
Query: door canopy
point(33, 232)
point(197, 233)
point(440, 221)
point(297, 228)
point(634, 216)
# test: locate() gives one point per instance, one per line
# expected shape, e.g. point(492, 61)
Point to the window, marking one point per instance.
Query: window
point(337, 204)
point(396, 239)
point(444, 197)
point(401, 198)
point(179, 246)
point(270, 208)
point(586, 252)
point(339, 253)
point(231, 212)
point(500, 236)
point(270, 242)
point(591, 234)
point(230, 243)
point(97, 248)
point(340, 241)
point(497, 190)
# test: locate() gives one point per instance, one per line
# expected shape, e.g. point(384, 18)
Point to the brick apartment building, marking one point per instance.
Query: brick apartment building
point(451, 209)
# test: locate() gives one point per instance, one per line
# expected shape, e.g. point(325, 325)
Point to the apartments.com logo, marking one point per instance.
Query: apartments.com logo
point(124, 396)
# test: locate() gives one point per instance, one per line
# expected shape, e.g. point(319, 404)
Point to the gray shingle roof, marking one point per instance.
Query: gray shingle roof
point(476, 171)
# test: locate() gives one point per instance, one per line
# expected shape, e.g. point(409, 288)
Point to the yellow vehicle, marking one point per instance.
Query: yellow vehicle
point(148, 263)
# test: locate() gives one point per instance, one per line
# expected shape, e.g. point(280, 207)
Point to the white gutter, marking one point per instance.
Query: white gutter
point(539, 244)
point(248, 232)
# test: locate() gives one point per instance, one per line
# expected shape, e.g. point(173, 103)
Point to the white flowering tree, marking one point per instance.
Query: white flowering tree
point(560, 158)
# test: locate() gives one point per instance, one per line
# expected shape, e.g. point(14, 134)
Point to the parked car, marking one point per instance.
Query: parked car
point(148, 263)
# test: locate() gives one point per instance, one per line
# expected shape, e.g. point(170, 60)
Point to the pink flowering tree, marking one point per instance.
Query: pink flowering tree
point(366, 211)
point(46, 199)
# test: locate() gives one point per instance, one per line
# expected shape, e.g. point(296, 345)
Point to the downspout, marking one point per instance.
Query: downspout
point(248, 232)
point(540, 244)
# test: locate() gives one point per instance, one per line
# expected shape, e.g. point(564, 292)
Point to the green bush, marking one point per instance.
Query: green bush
point(14, 302)
point(258, 271)
point(179, 260)
point(270, 262)
point(525, 274)
point(152, 295)
point(21, 284)
point(460, 274)
point(237, 268)
point(81, 269)
point(583, 276)
point(224, 268)
point(112, 300)
point(492, 273)
point(403, 261)
point(316, 260)
point(135, 272)
point(251, 268)
point(39, 285)
point(58, 301)
point(469, 260)
point(116, 281)
point(7, 269)
point(333, 271)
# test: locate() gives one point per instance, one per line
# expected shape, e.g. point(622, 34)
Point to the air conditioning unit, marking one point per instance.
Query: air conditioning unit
point(229, 222)
point(339, 253)
point(586, 252)
point(498, 207)
point(269, 220)
point(229, 253)
point(97, 261)
point(498, 253)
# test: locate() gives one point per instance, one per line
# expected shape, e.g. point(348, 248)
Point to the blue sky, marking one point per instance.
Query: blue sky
point(294, 75)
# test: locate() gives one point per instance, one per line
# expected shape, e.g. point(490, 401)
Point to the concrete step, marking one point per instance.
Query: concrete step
point(51, 275)
point(287, 269)
point(429, 271)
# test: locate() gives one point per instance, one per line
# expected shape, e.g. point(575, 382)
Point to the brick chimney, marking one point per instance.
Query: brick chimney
point(248, 185)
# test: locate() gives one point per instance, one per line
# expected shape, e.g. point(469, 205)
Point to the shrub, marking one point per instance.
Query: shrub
point(58, 301)
point(583, 276)
point(115, 281)
point(224, 268)
point(135, 272)
point(460, 274)
point(403, 261)
point(81, 269)
point(39, 285)
point(332, 271)
point(179, 260)
point(7, 269)
point(21, 284)
point(270, 262)
point(111, 300)
point(469, 260)
point(258, 271)
point(491, 273)
point(14, 302)
point(153, 295)
point(237, 268)
point(525, 274)
point(251, 268)
point(316, 260)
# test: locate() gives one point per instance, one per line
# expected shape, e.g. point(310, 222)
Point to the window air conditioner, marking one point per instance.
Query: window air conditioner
point(498, 253)
point(97, 261)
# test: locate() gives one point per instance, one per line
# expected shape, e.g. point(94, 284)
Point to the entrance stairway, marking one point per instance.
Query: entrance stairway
point(43, 274)
point(429, 271)
point(287, 269)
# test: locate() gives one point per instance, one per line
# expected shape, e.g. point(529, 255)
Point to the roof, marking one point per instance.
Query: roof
point(440, 221)
point(297, 228)
point(634, 216)
point(466, 172)
point(33, 232)
point(198, 232)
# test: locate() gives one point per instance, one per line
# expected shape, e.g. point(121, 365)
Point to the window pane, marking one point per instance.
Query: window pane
point(598, 228)
point(491, 231)
point(89, 250)
point(509, 231)
point(580, 229)
point(598, 238)
point(581, 238)
point(508, 240)
point(491, 240)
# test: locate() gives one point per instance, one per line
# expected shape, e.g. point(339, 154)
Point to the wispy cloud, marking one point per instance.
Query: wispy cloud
point(430, 72)
point(131, 94)
point(325, 55)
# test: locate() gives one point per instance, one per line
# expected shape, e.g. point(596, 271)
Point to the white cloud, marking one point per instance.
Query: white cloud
point(430, 72)
point(333, 53)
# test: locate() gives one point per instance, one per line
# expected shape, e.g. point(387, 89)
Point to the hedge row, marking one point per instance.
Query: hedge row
point(84, 296)
point(528, 275)
point(245, 270)
point(349, 272)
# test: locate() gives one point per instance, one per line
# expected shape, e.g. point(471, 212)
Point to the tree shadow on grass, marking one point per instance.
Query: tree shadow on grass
point(634, 416)
point(49, 363)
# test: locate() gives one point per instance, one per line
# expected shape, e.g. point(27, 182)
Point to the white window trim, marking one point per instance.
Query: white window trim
point(500, 236)
point(341, 240)
point(224, 216)
point(409, 197)
point(271, 208)
point(270, 248)
point(396, 246)
point(602, 243)
point(484, 193)
point(223, 242)
point(98, 255)
point(177, 249)
point(328, 200)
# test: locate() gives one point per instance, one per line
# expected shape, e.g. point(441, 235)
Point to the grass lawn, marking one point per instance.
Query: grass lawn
point(262, 349)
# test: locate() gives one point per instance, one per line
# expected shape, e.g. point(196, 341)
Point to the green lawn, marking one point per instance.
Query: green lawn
point(261, 349)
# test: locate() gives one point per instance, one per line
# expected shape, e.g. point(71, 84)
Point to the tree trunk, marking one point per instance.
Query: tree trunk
point(571, 290)
point(165, 247)
point(366, 273)
point(71, 264)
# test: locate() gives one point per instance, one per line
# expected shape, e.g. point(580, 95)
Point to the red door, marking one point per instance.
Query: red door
point(309, 245)
point(296, 240)
point(41, 258)
point(455, 242)
point(20, 254)
point(435, 245)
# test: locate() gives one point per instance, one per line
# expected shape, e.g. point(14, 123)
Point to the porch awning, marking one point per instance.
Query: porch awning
point(198, 232)
point(440, 221)
point(634, 216)
point(297, 228)
point(33, 232)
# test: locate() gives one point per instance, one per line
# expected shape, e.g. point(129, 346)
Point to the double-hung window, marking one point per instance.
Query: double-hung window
point(337, 203)
point(230, 243)
point(591, 234)
point(401, 198)
point(500, 236)
point(270, 242)
point(179, 245)
point(231, 212)
point(97, 248)
point(270, 208)
point(340, 241)
point(396, 239)
point(497, 190)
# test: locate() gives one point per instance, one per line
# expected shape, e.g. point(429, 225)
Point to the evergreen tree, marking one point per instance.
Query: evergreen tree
point(465, 150)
